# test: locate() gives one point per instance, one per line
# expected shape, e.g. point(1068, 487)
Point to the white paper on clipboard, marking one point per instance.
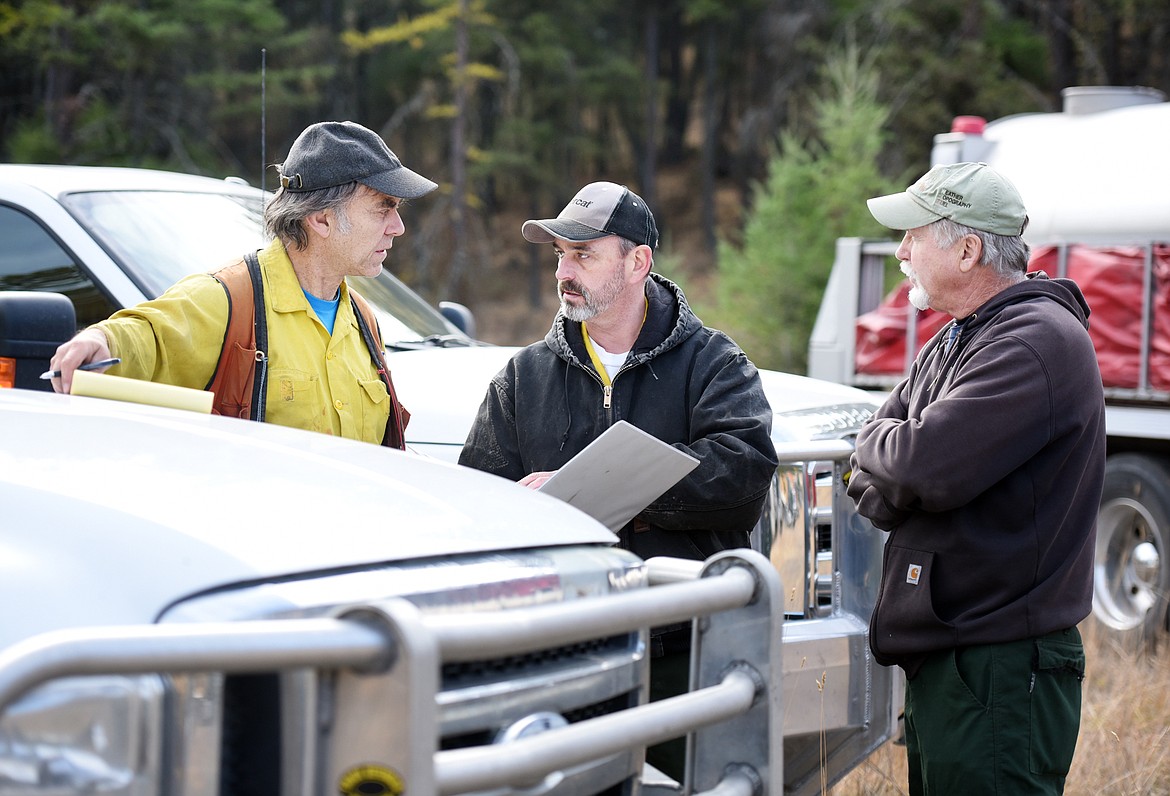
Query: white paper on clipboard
point(618, 474)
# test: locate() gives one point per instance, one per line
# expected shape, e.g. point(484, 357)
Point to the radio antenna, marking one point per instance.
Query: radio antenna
point(263, 115)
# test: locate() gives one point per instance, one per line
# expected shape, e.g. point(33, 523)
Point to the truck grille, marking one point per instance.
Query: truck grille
point(603, 708)
point(476, 673)
point(270, 729)
point(807, 505)
point(250, 749)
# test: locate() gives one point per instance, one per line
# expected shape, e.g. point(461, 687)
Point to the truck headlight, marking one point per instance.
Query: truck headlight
point(84, 734)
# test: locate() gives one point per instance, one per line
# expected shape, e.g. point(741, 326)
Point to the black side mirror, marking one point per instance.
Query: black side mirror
point(459, 315)
point(32, 325)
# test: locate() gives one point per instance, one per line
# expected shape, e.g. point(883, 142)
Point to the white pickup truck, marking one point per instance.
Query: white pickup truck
point(196, 605)
point(110, 238)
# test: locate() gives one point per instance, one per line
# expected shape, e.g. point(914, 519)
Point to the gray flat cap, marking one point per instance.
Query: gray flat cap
point(327, 154)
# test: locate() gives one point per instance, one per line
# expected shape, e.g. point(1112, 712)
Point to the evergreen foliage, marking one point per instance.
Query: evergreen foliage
point(128, 83)
point(770, 286)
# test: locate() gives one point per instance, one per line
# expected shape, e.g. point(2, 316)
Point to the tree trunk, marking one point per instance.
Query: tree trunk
point(710, 145)
point(680, 86)
point(650, 126)
point(1058, 23)
point(459, 156)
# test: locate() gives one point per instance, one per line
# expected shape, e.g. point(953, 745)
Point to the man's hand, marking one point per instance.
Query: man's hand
point(536, 480)
point(89, 345)
point(871, 503)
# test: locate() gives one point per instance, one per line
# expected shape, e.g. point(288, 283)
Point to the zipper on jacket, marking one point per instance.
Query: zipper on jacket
point(260, 392)
point(607, 392)
point(950, 350)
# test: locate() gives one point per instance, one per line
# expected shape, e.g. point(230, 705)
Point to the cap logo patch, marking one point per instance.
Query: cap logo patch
point(971, 194)
point(583, 202)
point(950, 197)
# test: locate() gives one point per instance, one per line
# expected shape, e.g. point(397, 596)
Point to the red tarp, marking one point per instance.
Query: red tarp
point(1110, 278)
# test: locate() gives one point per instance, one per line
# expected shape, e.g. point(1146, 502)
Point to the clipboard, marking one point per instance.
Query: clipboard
point(618, 474)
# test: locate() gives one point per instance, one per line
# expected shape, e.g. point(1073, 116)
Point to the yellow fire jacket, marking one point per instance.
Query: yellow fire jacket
point(315, 381)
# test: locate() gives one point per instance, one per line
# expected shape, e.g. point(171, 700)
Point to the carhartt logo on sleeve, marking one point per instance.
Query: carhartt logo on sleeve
point(913, 573)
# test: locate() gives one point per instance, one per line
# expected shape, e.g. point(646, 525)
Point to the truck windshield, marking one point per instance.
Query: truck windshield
point(158, 237)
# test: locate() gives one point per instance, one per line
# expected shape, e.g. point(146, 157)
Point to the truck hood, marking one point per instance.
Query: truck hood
point(447, 386)
point(113, 511)
point(443, 388)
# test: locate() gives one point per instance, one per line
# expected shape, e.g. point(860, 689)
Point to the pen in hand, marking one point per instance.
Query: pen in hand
point(101, 363)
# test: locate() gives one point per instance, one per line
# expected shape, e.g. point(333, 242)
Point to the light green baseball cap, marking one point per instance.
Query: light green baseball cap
point(972, 194)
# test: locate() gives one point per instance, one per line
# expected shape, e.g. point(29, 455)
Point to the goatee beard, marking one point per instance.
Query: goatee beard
point(577, 314)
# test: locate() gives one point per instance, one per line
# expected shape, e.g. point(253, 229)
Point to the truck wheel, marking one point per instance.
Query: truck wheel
point(1131, 573)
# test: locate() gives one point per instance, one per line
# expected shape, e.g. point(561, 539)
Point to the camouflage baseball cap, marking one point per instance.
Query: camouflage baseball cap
point(972, 194)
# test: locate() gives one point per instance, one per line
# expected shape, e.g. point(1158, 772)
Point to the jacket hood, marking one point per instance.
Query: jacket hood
point(1064, 292)
point(1037, 285)
point(669, 321)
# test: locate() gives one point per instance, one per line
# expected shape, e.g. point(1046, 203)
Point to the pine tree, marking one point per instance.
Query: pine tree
point(770, 286)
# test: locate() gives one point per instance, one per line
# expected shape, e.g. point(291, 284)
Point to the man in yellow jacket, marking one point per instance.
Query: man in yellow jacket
point(335, 215)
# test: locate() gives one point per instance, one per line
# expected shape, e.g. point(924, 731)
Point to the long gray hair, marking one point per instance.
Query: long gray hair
point(286, 211)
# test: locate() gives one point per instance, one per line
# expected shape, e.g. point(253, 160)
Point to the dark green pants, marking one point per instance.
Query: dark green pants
point(996, 719)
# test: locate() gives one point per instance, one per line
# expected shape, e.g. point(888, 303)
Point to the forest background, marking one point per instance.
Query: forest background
point(755, 129)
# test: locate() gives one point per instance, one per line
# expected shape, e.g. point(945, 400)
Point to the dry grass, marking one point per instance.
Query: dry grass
point(1124, 744)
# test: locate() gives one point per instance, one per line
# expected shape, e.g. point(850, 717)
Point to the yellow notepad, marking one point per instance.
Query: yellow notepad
point(119, 388)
